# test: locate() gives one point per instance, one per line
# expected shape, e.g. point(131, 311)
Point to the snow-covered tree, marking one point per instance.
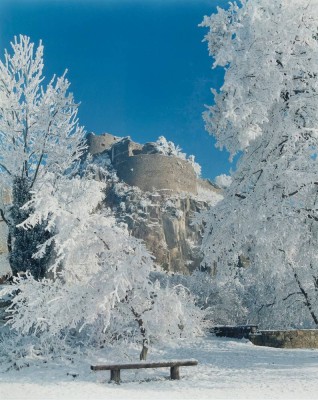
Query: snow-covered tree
point(25, 241)
point(39, 133)
point(98, 289)
point(223, 180)
point(263, 236)
point(208, 294)
point(168, 148)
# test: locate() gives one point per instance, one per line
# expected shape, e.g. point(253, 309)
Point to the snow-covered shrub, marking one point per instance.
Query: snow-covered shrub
point(219, 304)
point(223, 180)
point(208, 196)
point(168, 148)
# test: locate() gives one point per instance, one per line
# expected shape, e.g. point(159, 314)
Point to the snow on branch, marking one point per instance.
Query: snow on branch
point(168, 148)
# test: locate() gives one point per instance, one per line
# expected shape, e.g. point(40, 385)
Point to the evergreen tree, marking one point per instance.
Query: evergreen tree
point(24, 242)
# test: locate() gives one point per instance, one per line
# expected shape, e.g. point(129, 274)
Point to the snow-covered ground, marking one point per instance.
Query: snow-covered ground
point(228, 369)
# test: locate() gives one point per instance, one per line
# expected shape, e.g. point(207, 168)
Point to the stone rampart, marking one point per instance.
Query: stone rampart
point(152, 172)
point(123, 150)
point(99, 143)
point(290, 339)
point(140, 165)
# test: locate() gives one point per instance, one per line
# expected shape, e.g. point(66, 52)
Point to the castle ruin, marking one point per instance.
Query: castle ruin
point(169, 185)
point(143, 166)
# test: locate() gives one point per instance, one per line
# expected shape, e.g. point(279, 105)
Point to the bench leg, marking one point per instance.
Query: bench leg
point(115, 375)
point(174, 373)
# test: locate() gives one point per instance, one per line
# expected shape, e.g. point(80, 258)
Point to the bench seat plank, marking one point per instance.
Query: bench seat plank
point(172, 363)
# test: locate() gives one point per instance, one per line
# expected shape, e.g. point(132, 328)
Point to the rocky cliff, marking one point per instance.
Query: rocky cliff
point(163, 215)
point(164, 223)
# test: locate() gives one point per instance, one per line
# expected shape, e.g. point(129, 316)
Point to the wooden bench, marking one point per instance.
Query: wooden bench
point(173, 364)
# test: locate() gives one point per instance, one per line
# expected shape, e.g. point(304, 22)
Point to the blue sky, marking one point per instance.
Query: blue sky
point(138, 67)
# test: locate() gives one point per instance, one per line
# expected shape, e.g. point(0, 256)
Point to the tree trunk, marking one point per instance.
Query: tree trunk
point(306, 300)
point(144, 351)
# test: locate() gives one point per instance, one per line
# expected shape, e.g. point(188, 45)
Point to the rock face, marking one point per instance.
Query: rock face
point(165, 224)
point(157, 197)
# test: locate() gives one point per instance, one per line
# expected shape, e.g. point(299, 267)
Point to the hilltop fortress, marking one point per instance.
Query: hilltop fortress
point(160, 197)
point(143, 166)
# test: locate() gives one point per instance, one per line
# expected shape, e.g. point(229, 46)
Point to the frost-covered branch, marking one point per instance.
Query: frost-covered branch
point(263, 235)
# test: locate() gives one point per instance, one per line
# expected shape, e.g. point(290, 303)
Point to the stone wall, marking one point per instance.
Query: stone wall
point(99, 143)
point(152, 172)
point(139, 165)
point(123, 150)
point(234, 331)
point(290, 339)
